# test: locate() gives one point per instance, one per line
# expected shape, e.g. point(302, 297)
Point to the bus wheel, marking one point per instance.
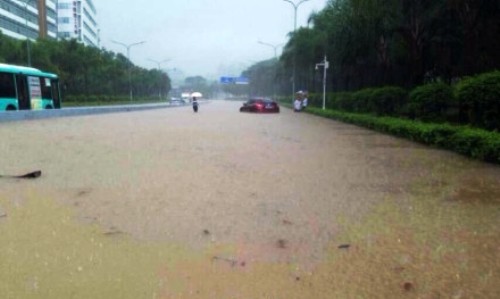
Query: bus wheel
point(11, 108)
point(49, 107)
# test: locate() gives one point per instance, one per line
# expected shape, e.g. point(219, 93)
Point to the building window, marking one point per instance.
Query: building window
point(63, 6)
point(64, 34)
point(64, 20)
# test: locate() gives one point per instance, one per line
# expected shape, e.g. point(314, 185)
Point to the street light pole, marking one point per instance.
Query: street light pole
point(28, 50)
point(128, 46)
point(159, 63)
point(325, 64)
point(275, 47)
point(295, 7)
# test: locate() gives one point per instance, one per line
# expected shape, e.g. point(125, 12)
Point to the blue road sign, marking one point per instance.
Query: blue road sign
point(233, 80)
point(227, 80)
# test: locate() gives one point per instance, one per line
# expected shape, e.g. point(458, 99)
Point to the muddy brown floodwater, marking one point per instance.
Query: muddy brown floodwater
point(171, 204)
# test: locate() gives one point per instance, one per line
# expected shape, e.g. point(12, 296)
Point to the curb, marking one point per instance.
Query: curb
point(21, 115)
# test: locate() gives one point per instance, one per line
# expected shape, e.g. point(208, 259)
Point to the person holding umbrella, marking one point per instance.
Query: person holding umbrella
point(195, 105)
point(297, 103)
point(304, 101)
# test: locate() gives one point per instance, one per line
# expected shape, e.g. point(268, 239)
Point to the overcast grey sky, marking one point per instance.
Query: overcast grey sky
point(210, 38)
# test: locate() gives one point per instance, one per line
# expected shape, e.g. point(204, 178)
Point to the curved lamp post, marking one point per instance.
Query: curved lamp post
point(295, 7)
point(128, 46)
point(275, 47)
point(159, 64)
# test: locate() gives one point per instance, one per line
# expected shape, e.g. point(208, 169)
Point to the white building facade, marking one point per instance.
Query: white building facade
point(28, 18)
point(77, 19)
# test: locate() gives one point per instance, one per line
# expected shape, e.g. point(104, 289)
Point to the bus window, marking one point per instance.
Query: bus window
point(45, 87)
point(7, 87)
point(54, 85)
point(22, 92)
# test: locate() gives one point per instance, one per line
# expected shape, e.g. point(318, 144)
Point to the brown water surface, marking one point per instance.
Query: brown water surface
point(222, 204)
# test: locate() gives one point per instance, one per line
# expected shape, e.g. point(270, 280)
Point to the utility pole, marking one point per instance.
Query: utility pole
point(275, 47)
point(295, 7)
point(128, 46)
point(325, 64)
point(159, 70)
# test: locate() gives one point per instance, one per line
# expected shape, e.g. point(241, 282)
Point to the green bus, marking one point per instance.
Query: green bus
point(27, 88)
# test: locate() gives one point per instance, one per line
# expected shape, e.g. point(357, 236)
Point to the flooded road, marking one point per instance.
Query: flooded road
point(171, 204)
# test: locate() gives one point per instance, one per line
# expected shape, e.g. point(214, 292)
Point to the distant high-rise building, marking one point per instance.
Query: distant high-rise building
point(28, 18)
point(77, 19)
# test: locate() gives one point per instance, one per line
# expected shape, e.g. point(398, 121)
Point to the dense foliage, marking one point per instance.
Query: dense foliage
point(432, 102)
point(479, 100)
point(372, 43)
point(85, 70)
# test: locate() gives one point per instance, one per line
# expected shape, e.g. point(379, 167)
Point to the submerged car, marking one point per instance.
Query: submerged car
point(260, 105)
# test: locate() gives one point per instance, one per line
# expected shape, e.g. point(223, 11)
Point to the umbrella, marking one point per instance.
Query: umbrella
point(196, 95)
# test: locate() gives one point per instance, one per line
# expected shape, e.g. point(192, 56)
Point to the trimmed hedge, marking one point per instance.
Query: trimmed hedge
point(475, 143)
point(361, 101)
point(474, 101)
point(341, 101)
point(431, 102)
point(389, 100)
point(479, 100)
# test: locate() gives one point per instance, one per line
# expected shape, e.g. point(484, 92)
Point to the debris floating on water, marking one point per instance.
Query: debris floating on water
point(408, 286)
point(281, 243)
point(112, 231)
point(2, 213)
point(230, 261)
point(30, 175)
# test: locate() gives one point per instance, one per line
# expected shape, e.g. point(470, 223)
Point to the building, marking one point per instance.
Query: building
point(31, 19)
point(77, 19)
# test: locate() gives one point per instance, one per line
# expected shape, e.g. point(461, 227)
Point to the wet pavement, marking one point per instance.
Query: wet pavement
point(238, 189)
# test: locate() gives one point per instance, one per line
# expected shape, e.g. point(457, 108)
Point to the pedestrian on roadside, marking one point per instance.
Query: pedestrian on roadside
point(297, 103)
point(304, 101)
point(195, 105)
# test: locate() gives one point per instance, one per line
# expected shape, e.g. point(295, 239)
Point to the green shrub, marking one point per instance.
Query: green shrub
point(81, 98)
point(389, 100)
point(479, 100)
point(315, 99)
point(104, 98)
point(478, 144)
point(361, 100)
point(342, 101)
point(69, 98)
point(92, 99)
point(431, 102)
